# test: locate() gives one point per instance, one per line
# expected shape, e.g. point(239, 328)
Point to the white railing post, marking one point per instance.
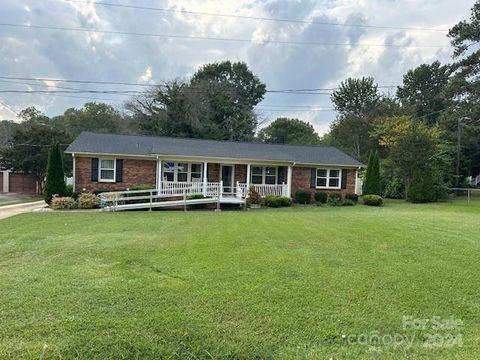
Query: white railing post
point(205, 169)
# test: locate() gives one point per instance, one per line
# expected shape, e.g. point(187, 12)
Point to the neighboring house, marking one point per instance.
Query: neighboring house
point(18, 182)
point(118, 162)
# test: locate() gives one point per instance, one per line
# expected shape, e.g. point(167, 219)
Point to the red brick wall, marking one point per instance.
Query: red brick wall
point(213, 172)
point(1, 181)
point(241, 173)
point(301, 180)
point(135, 172)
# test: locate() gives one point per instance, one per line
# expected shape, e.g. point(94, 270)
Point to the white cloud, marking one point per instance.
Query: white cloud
point(76, 55)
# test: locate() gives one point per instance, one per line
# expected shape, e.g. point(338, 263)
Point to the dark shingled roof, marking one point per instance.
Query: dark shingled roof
point(132, 145)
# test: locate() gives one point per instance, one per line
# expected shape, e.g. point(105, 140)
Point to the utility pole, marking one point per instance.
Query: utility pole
point(459, 140)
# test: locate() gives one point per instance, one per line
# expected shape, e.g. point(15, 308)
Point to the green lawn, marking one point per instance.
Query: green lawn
point(275, 284)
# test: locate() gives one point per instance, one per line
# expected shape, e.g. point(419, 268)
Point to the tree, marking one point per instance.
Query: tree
point(372, 176)
point(464, 90)
point(413, 146)
point(289, 131)
point(217, 103)
point(28, 148)
point(96, 117)
point(55, 180)
point(421, 189)
point(355, 102)
point(356, 97)
point(423, 91)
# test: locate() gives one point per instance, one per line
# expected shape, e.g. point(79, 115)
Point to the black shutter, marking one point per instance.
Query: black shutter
point(119, 170)
point(281, 174)
point(344, 178)
point(313, 178)
point(94, 169)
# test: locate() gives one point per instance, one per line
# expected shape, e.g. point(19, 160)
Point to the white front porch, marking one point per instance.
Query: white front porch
point(231, 180)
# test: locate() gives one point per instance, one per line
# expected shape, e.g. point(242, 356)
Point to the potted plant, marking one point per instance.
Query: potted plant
point(253, 199)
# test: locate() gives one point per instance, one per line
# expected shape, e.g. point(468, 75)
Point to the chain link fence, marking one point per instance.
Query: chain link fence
point(467, 194)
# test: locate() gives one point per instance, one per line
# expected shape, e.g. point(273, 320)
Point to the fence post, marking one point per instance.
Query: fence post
point(151, 199)
point(468, 196)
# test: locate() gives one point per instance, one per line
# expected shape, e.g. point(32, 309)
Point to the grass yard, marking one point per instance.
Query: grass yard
point(274, 284)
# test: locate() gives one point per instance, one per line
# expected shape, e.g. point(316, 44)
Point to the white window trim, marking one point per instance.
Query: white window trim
point(175, 171)
point(114, 170)
point(264, 170)
point(328, 178)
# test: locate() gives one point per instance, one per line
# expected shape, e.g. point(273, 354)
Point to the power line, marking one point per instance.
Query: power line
point(194, 37)
point(245, 17)
point(157, 85)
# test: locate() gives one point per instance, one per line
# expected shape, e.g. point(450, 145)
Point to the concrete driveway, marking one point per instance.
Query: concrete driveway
point(10, 210)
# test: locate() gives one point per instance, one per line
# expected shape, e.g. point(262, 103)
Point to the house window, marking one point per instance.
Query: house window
point(181, 172)
point(264, 175)
point(106, 170)
point(328, 178)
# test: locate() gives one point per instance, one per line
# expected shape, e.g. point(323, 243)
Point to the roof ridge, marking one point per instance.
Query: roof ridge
point(216, 140)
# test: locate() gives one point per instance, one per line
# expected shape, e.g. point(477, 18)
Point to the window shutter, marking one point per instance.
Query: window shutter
point(313, 178)
point(94, 169)
point(281, 174)
point(119, 170)
point(344, 178)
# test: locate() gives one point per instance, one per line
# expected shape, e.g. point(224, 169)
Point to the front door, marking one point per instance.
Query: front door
point(226, 175)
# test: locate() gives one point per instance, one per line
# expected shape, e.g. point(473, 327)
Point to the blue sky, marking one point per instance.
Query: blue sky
point(34, 53)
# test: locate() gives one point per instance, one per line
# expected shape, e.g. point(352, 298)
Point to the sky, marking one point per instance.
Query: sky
point(362, 47)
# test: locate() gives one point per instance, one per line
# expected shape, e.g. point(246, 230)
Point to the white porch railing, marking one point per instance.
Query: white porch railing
point(263, 190)
point(168, 190)
point(190, 188)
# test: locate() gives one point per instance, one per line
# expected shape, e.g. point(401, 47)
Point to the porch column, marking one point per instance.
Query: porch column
point(159, 174)
point(73, 172)
point(289, 181)
point(248, 181)
point(205, 178)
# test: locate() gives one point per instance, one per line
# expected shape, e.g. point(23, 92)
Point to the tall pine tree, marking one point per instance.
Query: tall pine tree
point(372, 177)
point(55, 183)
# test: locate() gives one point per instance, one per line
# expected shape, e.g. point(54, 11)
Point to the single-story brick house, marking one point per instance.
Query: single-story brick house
point(118, 162)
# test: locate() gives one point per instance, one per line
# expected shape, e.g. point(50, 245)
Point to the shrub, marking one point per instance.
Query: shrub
point(321, 197)
point(372, 200)
point(336, 196)
point(352, 196)
point(55, 182)
point(286, 201)
point(334, 201)
point(349, 202)
point(69, 192)
point(277, 201)
point(88, 201)
point(99, 191)
point(253, 196)
point(394, 188)
point(303, 196)
point(63, 202)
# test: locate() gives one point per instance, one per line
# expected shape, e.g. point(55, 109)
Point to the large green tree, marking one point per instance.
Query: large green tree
point(96, 117)
point(464, 89)
point(355, 102)
point(289, 131)
point(216, 103)
point(422, 92)
point(28, 147)
point(416, 151)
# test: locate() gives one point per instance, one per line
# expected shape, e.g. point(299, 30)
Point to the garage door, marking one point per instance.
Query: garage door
point(23, 183)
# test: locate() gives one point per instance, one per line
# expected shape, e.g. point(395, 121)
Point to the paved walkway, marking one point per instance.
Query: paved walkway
point(10, 210)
